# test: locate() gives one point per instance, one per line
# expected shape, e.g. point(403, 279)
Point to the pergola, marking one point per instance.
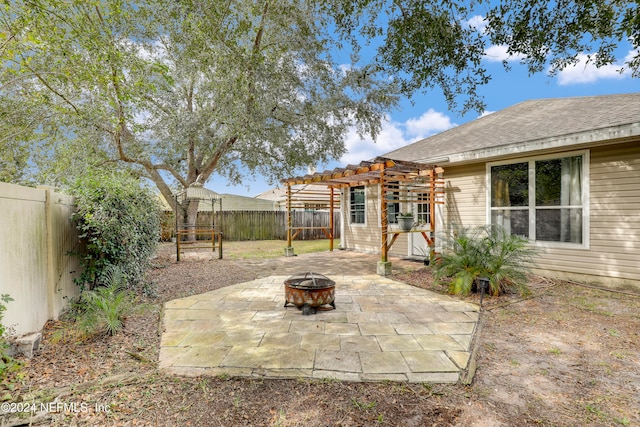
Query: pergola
point(399, 182)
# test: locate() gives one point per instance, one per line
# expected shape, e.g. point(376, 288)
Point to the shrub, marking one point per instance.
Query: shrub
point(104, 309)
point(119, 223)
point(7, 363)
point(485, 252)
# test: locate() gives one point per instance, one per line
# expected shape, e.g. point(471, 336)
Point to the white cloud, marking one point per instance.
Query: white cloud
point(486, 113)
point(478, 22)
point(498, 53)
point(390, 138)
point(631, 55)
point(427, 124)
point(587, 72)
point(394, 135)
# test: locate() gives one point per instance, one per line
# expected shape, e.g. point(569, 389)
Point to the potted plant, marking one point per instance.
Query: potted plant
point(405, 220)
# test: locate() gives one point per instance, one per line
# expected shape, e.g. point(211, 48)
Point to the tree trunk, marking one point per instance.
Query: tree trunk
point(188, 218)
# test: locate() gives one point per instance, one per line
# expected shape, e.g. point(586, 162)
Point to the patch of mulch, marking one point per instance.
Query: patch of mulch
point(566, 355)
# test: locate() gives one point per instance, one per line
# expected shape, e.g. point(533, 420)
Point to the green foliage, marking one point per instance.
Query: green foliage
point(485, 252)
point(443, 44)
point(362, 405)
point(546, 32)
point(103, 309)
point(7, 363)
point(141, 84)
point(5, 298)
point(119, 222)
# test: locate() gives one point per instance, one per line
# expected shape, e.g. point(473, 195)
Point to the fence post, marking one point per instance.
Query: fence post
point(48, 243)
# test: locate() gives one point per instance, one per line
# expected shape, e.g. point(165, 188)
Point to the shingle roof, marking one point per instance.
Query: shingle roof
point(529, 121)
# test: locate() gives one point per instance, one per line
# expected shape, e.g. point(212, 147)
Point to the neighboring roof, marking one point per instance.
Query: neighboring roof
point(230, 202)
point(196, 191)
point(530, 126)
point(233, 202)
point(275, 194)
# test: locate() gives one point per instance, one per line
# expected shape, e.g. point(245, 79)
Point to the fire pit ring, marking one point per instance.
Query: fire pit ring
point(309, 292)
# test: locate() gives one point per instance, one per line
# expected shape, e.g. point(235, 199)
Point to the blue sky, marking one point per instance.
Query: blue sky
point(429, 113)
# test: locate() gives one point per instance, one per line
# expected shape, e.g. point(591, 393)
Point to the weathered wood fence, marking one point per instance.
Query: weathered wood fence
point(265, 225)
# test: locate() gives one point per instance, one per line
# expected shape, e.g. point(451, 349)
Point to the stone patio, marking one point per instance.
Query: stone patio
point(381, 329)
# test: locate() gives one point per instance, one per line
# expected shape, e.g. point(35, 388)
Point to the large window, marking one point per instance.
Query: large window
point(356, 205)
point(540, 199)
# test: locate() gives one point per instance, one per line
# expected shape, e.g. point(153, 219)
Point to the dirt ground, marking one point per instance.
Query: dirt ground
point(568, 355)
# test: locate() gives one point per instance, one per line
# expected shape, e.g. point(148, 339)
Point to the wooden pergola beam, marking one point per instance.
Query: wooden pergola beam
point(391, 175)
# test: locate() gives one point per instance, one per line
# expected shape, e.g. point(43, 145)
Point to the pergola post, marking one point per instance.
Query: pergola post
point(331, 230)
point(384, 266)
point(432, 210)
point(288, 251)
point(178, 208)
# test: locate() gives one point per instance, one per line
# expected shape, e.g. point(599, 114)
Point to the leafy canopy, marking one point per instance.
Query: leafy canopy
point(178, 90)
point(442, 44)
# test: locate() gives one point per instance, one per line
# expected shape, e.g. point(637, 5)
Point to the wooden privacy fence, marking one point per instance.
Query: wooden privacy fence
point(269, 225)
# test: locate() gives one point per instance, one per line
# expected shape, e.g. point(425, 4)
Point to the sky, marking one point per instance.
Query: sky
point(428, 114)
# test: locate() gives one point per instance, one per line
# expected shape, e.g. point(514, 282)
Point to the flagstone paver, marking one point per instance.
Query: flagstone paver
point(381, 330)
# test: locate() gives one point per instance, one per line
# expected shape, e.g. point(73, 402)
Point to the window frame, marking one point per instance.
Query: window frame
point(426, 215)
point(531, 208)
point(364, 205)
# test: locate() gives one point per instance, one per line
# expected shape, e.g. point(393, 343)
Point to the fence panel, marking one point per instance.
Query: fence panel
point(269, 225)
point(36, 269)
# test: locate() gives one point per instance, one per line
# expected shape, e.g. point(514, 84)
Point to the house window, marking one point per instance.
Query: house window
point(393, 207)
point(356, 205)
point(423, 212)
point(542, 200)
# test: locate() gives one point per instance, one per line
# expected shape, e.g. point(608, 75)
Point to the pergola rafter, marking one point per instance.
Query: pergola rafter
point(398, 180)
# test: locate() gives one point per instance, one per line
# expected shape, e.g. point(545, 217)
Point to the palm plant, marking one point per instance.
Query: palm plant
point(103, 309)
point(485, 252)
point(508, 262)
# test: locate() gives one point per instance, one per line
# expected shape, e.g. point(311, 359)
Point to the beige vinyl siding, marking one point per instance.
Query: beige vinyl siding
point(465, 196)
point(364, 237)
point(367, 237)
point(613, 255)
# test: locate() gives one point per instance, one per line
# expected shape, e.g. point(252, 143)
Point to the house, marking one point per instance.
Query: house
point(230, 202)
point(563, 172)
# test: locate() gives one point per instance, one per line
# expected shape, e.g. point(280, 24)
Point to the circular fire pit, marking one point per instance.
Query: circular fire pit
point(309, 291)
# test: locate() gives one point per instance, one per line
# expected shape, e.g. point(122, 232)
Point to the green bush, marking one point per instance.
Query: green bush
point(488, 252)
point(104, 309)
point(7, 363)
point(119, 222)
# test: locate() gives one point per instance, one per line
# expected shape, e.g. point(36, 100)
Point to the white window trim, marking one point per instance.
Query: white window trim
point(586, 167)
point(357, 224)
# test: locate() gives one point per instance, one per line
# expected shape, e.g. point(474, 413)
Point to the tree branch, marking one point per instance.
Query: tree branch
point(208, 169)
point(166, 192)
point(173, 173)
point(52, 89)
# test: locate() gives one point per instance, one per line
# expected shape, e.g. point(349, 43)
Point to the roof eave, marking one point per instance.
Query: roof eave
point(592, 138)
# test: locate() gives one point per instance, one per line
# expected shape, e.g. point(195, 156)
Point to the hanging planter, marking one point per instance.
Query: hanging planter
point(405, 220)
